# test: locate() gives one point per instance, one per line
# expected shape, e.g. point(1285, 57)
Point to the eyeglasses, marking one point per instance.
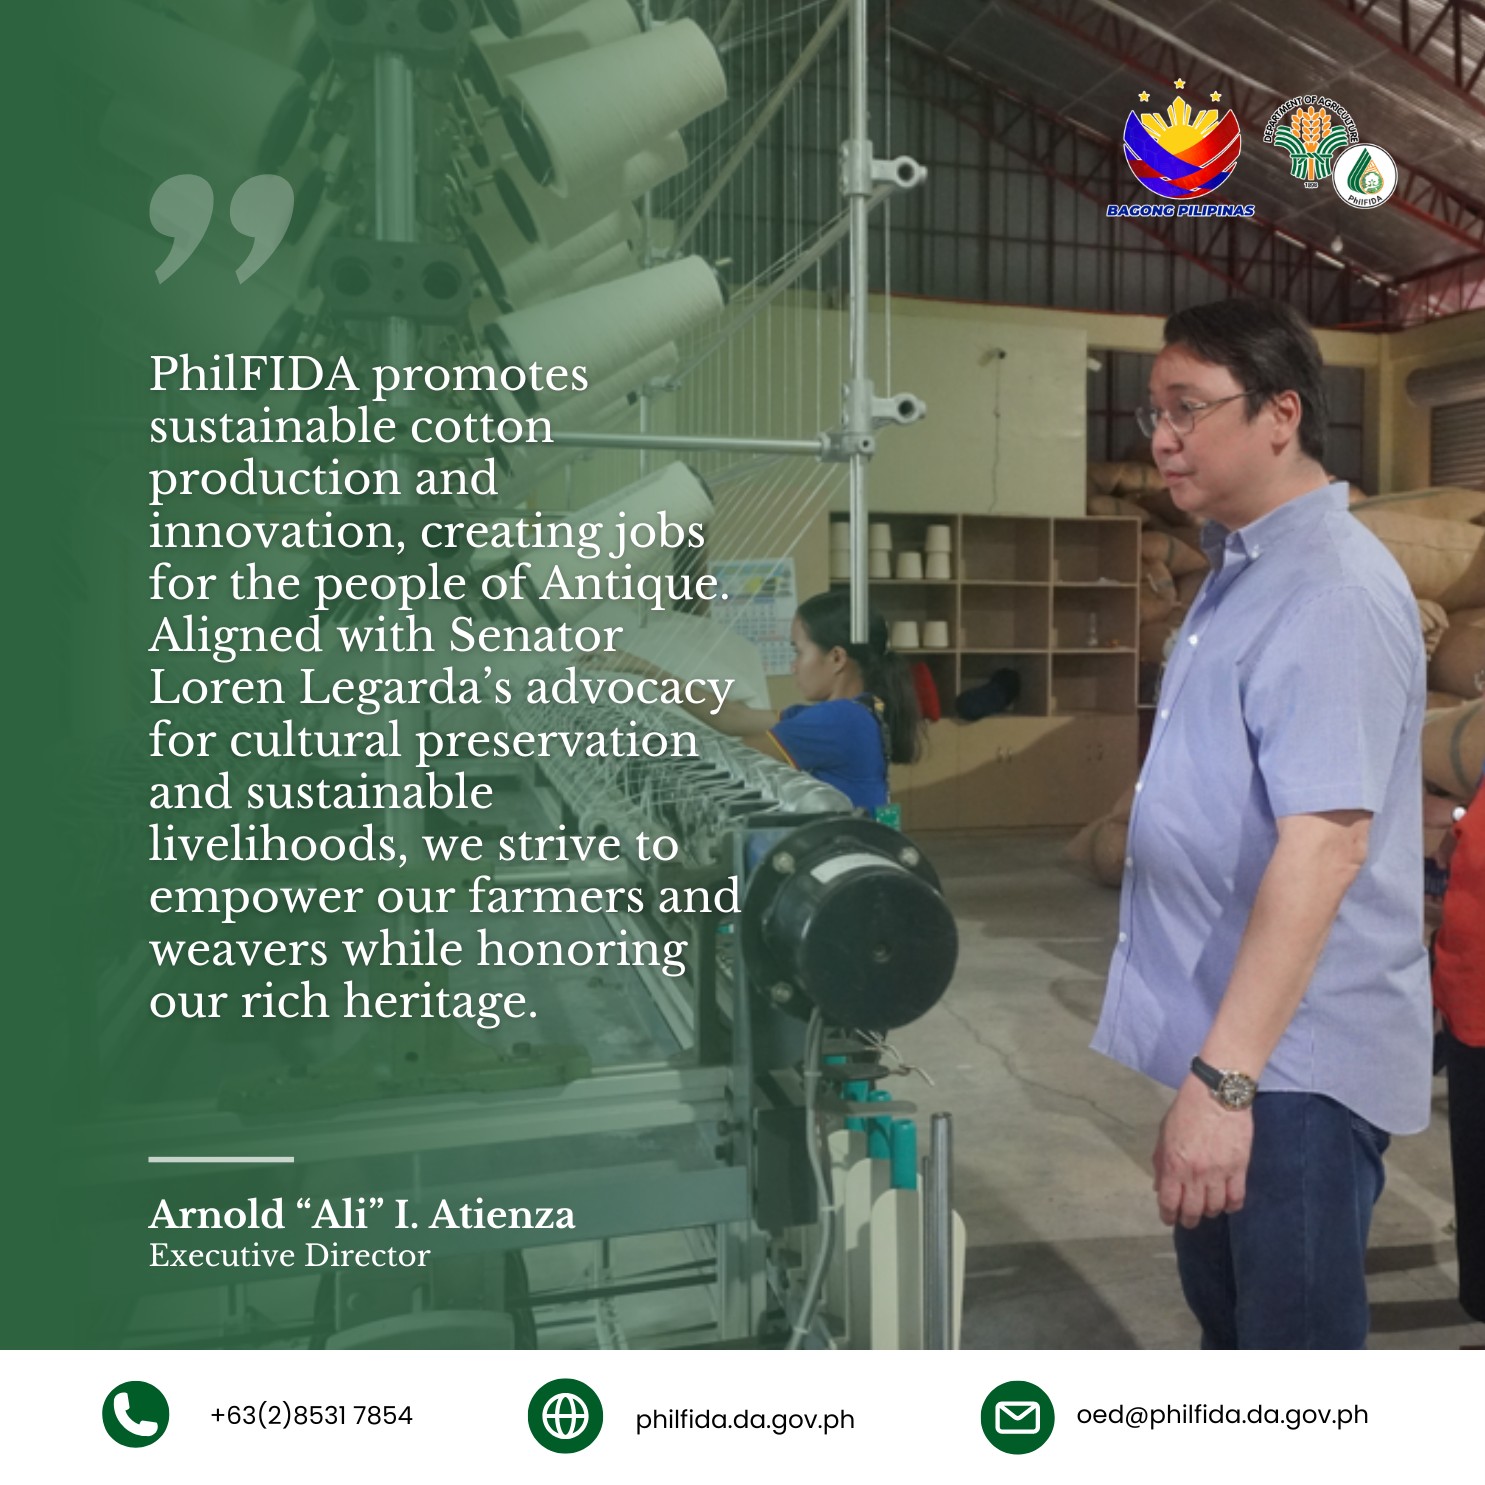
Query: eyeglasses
point(1181, 419)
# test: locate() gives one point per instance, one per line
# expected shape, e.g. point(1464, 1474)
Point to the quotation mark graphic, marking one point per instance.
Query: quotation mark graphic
point(261, 209)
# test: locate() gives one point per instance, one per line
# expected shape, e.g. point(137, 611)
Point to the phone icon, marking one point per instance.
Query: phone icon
point(146, 1430)
point(135, 1414)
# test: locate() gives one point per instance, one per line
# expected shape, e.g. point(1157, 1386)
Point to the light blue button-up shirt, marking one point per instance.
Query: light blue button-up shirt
point(1296, 685)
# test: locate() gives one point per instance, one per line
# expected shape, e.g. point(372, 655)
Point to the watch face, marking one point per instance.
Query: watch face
point(1236, 1090)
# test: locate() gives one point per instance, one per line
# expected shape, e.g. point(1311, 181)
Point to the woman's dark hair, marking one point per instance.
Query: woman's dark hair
point(1268, 349)
point(826, 618)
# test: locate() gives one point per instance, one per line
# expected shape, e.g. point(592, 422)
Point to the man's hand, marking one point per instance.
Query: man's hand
point(1201, 1157)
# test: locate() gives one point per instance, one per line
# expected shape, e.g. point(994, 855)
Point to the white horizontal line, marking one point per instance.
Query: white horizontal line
point(221, 1160)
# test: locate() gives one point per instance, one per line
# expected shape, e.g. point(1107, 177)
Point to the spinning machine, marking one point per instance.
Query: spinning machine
point(700, 1072)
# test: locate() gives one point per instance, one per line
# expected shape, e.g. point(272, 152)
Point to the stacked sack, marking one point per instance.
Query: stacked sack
point(1438, 538)
point(1172, 563)
point(1100, 848)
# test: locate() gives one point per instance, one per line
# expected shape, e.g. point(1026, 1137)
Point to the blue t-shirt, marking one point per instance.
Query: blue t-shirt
point(840, 743)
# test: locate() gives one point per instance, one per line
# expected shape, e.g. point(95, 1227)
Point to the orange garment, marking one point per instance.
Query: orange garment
point(1459, 946)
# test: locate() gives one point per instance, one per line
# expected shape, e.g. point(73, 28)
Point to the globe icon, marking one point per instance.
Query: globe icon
point(565, 1415)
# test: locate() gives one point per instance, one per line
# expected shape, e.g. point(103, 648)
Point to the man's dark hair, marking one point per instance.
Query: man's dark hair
point(1268, 348)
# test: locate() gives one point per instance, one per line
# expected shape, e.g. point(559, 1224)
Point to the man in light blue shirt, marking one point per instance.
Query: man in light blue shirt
point(1270, 964)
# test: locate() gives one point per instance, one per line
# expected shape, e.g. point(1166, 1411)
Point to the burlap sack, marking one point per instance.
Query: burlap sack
point(1442, 560)
point(1179, 556)
point(1458, 662)
point(1433, 621)
point(1454, 749)
point(1165, 510)
point(1079, 850)
point(1154, 637)
point(1125, 807)
point(1119, 478)
point(1188, 585)
point(1115, 505)
point(1110, 842)
point(1094, 843)
point(1157, 592)
point(1442, 503)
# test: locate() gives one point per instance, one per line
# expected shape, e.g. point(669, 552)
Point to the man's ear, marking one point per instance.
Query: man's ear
point(1287, 411)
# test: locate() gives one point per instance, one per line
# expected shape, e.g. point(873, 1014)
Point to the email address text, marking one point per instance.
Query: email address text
point(1139, 1415)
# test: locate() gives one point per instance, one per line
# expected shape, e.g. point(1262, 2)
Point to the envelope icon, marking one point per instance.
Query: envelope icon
point(1018, 1417)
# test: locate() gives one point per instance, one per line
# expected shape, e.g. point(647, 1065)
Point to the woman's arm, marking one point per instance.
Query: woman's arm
point(732, 718)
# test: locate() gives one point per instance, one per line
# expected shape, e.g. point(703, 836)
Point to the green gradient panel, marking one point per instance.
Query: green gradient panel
point(101, 1082)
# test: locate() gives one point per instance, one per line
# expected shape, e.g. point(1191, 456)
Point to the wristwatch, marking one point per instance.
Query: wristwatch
point(1233, 1090)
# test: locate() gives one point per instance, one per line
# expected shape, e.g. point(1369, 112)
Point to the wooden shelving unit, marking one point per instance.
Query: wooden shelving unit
point(1027, 594)
point(1055, 599)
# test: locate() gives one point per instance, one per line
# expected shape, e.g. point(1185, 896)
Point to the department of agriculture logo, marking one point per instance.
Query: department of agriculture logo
point(564, 1416)
point(1365, 175)
point(136, 1414)
point(1181, 154)
point(1312, 131)
point(1017, 1417)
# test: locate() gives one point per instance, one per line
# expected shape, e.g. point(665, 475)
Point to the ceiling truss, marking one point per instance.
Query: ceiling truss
point(1251, 255)
point(1420, 195)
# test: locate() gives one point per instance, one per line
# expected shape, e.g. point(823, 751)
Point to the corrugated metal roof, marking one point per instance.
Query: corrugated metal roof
point(1066, 54)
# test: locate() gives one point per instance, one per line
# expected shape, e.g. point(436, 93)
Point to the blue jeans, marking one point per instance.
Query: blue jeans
point(1289, 1270)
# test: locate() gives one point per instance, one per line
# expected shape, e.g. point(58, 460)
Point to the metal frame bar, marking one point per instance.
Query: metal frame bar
point(1449, 289)
point(1139, 45)
point(692, 443)
point(779, 97)
point(1057, 146)
point(859, 389)
point(1462, 81)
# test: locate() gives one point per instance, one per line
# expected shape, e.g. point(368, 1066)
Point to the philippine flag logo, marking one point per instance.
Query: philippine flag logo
point(1181, 156)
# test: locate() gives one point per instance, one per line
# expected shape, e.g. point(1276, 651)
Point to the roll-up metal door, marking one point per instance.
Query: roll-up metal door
point(1457, 444)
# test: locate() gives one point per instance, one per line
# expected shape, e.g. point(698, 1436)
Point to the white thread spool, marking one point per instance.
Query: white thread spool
point(282, 33)
point(543, 217)
point(676, 490)
point(615, 262)
point(936, 634)
point(502, 56)
point(840, 567)
point(937, 567)
point(522, 17)
point(594, 23)
point(879, 538)
point(938, 539)
point(538, 276)
point(186, 103)
point(606, 327)
point(910, 567)
point(496, 229)
point(580, 117)
point(533, 274)
point(840, 536)
point(879, 564)
point(905, 635)
point(575, 408)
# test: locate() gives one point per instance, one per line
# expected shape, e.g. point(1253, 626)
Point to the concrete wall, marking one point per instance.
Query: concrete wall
point(1402, 426)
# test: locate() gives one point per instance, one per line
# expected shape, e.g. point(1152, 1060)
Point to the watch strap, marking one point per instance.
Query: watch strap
point(1208, 1074)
